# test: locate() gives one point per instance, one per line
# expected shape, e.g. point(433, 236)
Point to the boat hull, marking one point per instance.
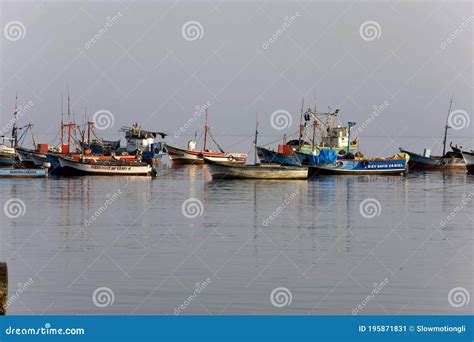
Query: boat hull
point(418, 162)
point(362, 167)
point(181, 156)
point(226, 171)
point(469, 160)
point(7, 159)
point(77, 168)
point(272, 157)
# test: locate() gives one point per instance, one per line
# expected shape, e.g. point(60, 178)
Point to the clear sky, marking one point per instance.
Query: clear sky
point(154, 62)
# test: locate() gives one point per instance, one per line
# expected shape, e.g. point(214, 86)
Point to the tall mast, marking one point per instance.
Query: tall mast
point(62, 121)
point(14, 142)
point(446, 126)
point(256, 140)
point(205, 133)
point(315, 123)
point(301, 124)
point(69, 118)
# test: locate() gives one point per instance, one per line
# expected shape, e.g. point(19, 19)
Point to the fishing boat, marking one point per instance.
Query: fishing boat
point(469, 160)
point(255, 171)
point(143, 142)
point(229, 171)
point(396, 165)
point(72, 167)
point(448, 161)
point(193, 156)
point(333, 137)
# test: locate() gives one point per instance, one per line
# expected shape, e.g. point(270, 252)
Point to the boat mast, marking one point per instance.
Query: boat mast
point(62, 121)
point(301, 124)
point(446, 126)
point(205, 133)
point(14, 141)
point(256, 141)
point(315, 123)
point(69, 119)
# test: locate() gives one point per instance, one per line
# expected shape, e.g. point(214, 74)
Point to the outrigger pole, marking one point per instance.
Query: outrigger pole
point(447, 126)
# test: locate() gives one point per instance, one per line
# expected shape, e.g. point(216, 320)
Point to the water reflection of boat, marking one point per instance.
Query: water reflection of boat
point(3, 288)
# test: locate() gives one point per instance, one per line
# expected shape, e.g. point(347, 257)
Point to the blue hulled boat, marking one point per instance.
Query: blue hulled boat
point(318, 157)
point(395, 165)
point(272, 157)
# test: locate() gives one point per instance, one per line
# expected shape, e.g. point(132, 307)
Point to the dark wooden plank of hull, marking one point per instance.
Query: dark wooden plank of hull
point(3, 288)
point(470, 169)
point(184, 161)
point(417, 166)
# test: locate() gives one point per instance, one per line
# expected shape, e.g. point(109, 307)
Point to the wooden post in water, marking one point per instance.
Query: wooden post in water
point(3, 288)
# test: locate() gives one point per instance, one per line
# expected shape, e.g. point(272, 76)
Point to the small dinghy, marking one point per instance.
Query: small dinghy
point(396, 165)
point(230, 171)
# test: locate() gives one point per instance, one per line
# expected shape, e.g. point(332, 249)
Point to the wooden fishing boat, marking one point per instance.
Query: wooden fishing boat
point(469, 160)
point(334, 137)
point(396, 165)
point(89, 166)
point(448, 161)
point(427, 162)
point(229, 171)
point(193, 156)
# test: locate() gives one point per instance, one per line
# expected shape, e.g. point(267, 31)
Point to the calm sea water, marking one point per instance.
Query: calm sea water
point(316, 239)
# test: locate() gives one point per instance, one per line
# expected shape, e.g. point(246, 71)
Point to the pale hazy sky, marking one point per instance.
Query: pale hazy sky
point(142, 68)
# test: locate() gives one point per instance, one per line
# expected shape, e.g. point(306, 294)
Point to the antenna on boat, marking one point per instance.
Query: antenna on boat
point(447, 126)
